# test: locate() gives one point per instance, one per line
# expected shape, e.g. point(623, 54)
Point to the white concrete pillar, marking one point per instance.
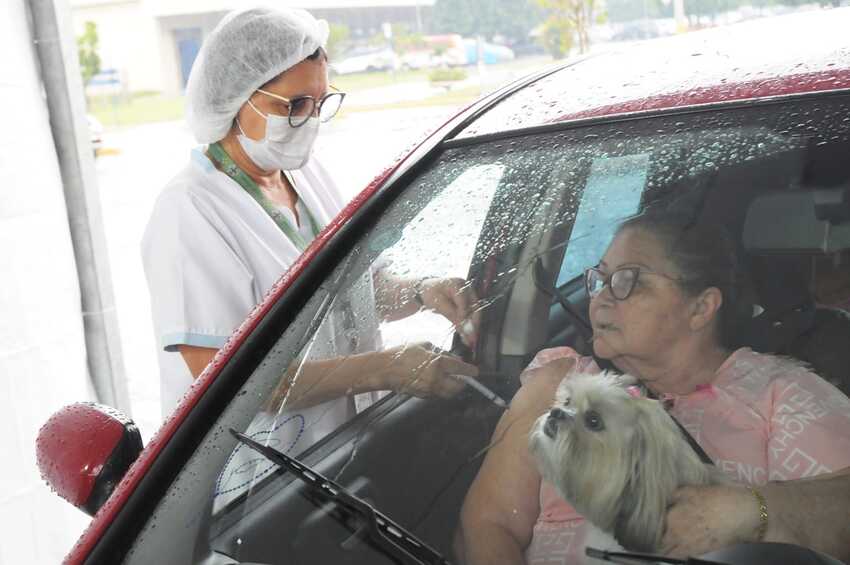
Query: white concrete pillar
point(42, 348)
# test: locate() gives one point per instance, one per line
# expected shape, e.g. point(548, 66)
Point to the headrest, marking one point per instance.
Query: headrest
point(784, 308)
point(800, 221)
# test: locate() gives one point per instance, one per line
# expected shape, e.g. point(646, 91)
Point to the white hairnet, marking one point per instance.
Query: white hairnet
point(245, 50)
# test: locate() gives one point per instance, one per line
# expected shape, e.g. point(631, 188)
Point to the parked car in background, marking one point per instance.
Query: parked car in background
point(517, 194)
point(489, 53)
point(366, 59)
point(448, 50)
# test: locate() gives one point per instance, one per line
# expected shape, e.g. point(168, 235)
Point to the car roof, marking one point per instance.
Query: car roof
point(782, 55)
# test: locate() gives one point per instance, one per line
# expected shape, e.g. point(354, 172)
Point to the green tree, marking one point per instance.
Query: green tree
point(87, 45)
point(511, 19)
point(337, 39)
point(557, 37)
point(568, 21)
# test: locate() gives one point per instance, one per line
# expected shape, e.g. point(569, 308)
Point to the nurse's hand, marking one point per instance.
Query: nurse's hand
point(454, 299)
point(424, 371)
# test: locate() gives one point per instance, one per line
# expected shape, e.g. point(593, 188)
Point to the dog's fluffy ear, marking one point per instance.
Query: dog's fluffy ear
point(661, 461)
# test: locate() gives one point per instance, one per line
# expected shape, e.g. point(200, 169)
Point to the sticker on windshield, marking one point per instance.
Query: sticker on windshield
point(244, 466)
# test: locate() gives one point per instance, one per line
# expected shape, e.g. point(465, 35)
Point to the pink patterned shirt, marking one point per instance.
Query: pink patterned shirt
point(763, 418)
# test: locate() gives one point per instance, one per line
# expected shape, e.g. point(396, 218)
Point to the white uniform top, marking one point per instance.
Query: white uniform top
point(211, 253)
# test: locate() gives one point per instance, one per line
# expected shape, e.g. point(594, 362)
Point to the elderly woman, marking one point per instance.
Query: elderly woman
point(227, 227)
point(663, 308)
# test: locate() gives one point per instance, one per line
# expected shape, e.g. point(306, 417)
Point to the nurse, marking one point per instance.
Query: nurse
point(248, 203)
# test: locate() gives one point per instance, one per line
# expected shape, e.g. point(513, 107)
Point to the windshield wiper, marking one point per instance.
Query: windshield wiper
point(379, 528)
point(633, 558)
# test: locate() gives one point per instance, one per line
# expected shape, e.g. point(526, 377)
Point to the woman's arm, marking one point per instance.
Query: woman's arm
point(452, 298)
point(809, 437)
point(395, 297)
point(196, 358)
point(416, 369)
point(811, 512)
point(502, 505)
point(808, 434)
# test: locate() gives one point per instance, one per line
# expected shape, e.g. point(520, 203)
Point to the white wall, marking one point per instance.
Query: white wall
point(42, 351)
point(129, 41)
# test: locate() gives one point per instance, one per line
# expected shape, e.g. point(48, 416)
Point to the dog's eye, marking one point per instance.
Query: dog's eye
point(593, 421)
point(566, 401)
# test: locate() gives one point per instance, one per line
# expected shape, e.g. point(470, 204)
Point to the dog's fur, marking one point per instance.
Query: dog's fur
point(620, 477)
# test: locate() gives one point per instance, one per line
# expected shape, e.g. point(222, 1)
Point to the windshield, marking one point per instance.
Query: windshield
point(356, 387)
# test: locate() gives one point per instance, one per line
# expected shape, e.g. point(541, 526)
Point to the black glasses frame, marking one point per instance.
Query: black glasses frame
point(297, 120)
point(607, 280)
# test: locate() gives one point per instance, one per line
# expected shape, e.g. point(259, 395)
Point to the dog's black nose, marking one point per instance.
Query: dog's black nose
point(556, 415)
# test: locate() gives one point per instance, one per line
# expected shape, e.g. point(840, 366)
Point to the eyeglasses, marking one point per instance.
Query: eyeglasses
point(621, 282)
point(302, 108)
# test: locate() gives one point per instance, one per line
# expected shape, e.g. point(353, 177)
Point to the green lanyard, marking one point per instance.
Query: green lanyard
point(232, 170)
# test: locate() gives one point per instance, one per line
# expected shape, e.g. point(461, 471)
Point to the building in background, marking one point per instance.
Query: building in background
point(150, 45)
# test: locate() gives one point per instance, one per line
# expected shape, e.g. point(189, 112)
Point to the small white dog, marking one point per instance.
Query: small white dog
point(616, 458)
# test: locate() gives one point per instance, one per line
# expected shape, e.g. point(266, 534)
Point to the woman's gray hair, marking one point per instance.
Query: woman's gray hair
point(705, 256)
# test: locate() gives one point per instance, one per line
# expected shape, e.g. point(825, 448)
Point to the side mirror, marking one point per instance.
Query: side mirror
point(84, 450)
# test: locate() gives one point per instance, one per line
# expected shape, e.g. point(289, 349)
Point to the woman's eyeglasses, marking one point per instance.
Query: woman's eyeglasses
point(622, 281)
point(302, 108)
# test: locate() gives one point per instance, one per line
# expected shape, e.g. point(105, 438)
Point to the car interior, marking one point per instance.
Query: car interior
point(775, 175)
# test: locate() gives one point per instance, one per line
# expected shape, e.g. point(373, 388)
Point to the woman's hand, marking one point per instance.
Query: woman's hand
point(454, 299)
point(422, 370)
point(706, 518)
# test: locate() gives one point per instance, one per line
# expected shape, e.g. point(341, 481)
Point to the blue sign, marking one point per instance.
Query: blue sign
point(106, 77)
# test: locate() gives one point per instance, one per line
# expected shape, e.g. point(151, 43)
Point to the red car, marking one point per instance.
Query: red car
point(749, 125)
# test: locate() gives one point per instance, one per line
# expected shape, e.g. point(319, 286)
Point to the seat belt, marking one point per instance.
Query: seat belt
point(692, 442)
point(607, 365)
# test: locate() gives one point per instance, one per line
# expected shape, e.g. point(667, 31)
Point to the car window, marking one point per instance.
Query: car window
point(611, 194)
point(489, 212)
point(437, 240)
point(450, 222)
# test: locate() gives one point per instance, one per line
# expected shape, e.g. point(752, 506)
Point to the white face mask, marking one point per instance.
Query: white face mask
point(283, 147)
